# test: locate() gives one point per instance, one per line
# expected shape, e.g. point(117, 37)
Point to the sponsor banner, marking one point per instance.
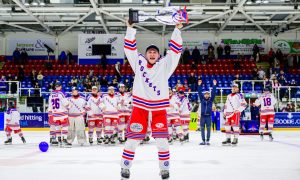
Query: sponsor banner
point(245, 46)
point(85, 42)
point(287, 46)
point(1, 121)
point(202, 45)
point(33, 46)
point(193, 126)
point(34, 120)
point(287, 120)
point(249, 126)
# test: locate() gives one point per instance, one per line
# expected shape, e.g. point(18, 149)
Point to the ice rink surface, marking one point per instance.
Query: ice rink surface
point(251, 159)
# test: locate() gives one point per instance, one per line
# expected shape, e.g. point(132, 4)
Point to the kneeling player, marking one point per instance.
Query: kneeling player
point(12, 118)
point(266, 102)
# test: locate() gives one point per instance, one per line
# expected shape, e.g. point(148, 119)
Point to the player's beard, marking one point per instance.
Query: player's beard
point(94, 95)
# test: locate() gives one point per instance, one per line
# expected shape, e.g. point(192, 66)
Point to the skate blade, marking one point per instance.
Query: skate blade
point(226, 144)
point(8, 144)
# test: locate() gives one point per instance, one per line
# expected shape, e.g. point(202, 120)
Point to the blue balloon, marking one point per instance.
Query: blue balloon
point(43, 146)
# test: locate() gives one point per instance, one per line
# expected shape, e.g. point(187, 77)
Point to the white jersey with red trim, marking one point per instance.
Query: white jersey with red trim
point(58, 104)
point(76, 106)
point(150, 87)
point(173, 110)
point(110, 106)
point(94, 112)
point(267, 104)
point(234, 102)
point(124, 99)
point(185, 108)
point(12, 117)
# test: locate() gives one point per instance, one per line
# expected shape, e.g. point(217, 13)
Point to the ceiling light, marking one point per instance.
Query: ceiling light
point(34, 3)
point(152, 2)
point(145, 2)
point(248, 2)
point(161, 1)
point(265, 1)
point(258, 1)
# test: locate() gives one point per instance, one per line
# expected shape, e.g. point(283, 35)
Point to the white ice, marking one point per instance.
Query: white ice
point(251, 159)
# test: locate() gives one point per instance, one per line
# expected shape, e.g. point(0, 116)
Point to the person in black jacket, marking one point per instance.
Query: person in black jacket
point(227, 50)
point(206, 110)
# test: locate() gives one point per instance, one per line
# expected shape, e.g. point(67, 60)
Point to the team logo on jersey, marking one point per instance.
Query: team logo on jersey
point(126, 163)
point(136, 127)
point(92, 123)
point(166, 163)
point(159, 125)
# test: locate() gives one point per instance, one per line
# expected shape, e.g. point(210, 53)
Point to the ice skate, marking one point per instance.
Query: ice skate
point(106, 140)
point(112, 140)
point(271, 137)
point(23, 140)
point(91, 141)
point(66, 143)
point(8, 141)
point(121, 141)
point(207, 143)
point(187, 138)
point(60, 141)
point(164, 174)
point(234, 142)
point(54, 142)
point(226, 142)
point(170, 140)
point(99, 141)
point(261, 136)
point(125, 174)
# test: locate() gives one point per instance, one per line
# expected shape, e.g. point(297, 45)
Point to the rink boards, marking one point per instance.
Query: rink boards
point(39, 121)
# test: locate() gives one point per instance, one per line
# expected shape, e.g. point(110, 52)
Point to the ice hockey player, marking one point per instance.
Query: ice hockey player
point(95, 117)
point(185, 115)
point(77, 111)
point(150, 97)
point(173, 116)
point(234, 105)
point(12, 122)
point(124, 112)
point(267, 104)
point(58, 115)
point(110, 107)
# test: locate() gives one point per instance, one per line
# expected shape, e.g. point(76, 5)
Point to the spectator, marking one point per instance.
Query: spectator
point(103, 81)
point(88, 86)
point(33, 76)
point(186, 56)
point(9, 77)
point(268, 83)
point(237, 80)
point(48, 65)
point(36, 89)
point(118, 70)
point(40, 78)
point(74, 82)
point(16, 56)
point(255, 50)
point(261, 74)
point(227, 50)
point(114, 83)
point(62, 57)
point(254, 74)
point(24, 57)
point(210, 53)
point(14, 86)
point(103, 61)
point(51, 87)
point(220, 51)
point(279, 56)
point(215, 117)
point(193, 65)
point(290, 60)
point(289, 108)
point(293, 89)
point(196, 55)
point(21, 73)
point(282, 82)
point(69, 57)
point(271, 56)
point(281, 73)
point(237, 63)
point(127, 84)
point(192, 81)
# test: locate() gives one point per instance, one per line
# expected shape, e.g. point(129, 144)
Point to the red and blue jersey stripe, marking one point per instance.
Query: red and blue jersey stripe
point(131, 45)
point(164, 155)
point(175, 47)
point(129, 155)
point(150, 104)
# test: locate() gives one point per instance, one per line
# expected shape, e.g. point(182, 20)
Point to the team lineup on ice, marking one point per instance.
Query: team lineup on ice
point(122, 121)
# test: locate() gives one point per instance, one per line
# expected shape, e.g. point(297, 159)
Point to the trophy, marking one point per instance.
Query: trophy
point(171, 15)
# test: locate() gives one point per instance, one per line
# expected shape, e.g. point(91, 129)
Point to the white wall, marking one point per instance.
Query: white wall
point(70, 40)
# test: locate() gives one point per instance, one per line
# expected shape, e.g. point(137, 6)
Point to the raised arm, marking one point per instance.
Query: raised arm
point(243, 103)
point(200, 90)
point(173, 54)
point(130, 48)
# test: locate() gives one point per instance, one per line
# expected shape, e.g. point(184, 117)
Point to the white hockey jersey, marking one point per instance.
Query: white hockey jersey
point(150, 87)
point(173, 110)
point(185, 109)
point(58, 104)
point(124, 100)
point(110, 106)
point(234, 102)
point(267, 104)
point(92, 107)
point(76, 106)
point(12, 117)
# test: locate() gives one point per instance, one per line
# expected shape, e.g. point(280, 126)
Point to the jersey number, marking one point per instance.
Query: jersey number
point(267, 101)
point(55, 103)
